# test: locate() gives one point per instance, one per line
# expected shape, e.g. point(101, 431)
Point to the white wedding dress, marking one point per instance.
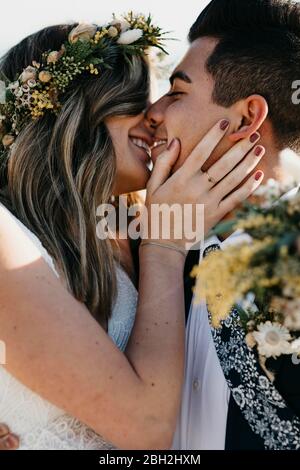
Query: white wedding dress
point(39, 424)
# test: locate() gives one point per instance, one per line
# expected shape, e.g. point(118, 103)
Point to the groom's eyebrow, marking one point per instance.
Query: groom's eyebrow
point(180, 75)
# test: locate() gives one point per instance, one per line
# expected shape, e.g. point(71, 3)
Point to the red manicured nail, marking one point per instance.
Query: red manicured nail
point(224, 124)
point(258, 151)
point(258, 175)
point(254, 137)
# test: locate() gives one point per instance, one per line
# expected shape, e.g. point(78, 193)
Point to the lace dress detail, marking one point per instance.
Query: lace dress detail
point(41, 425)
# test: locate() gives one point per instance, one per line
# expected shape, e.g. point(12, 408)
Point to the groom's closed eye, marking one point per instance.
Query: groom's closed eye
point(175, 80)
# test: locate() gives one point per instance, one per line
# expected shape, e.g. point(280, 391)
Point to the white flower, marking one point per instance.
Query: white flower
point(272, 339)
point(130, 36)
point(14, 85)
point(82, 32)
point(2, 92)
point(121, 24)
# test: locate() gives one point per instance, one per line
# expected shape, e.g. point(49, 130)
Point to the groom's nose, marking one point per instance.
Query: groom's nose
point(155, 114)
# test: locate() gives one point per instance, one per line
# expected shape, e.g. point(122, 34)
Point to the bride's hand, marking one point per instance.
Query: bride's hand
point(220, 189)
point(8, 441)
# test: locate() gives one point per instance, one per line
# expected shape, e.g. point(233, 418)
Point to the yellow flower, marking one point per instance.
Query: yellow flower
point(224, 277)
point(256, 221)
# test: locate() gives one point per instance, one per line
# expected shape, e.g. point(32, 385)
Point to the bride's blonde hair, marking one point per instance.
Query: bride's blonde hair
point(62, 167)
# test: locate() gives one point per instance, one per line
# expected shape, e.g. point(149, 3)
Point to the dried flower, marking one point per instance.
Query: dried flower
point(8, 140)
point(82, 32)
point(45, 76)
point(112, 31)
point(250, 340)
point(121, 24)
point(28, 74)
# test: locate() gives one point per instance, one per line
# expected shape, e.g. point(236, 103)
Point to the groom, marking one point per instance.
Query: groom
point(243, 60)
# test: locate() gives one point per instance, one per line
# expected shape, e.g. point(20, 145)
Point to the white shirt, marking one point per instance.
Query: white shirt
point(203, 416)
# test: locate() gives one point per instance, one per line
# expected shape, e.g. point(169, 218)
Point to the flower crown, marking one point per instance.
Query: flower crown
point(39, 87)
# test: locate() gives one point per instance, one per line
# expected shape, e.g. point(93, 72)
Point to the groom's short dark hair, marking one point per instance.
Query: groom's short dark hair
point(258, 52)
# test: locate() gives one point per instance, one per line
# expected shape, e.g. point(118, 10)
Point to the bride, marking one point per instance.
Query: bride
point(90, 364)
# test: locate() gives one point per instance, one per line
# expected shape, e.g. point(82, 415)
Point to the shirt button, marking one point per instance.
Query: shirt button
point(196, 385)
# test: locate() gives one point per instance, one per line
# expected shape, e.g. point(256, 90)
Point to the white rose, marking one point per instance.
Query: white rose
point(82, 32)
point(130, 36)
point(121, 24)
point(28, 74)
point(2, 92)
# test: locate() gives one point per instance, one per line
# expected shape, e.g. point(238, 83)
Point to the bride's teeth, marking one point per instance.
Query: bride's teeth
point(159, 142)
point(141, 143)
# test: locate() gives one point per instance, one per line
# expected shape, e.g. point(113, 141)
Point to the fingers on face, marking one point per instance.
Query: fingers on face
point(241, 194)
point(233, 157)
point(240, 172)
point(164, 165)
point(206, 146)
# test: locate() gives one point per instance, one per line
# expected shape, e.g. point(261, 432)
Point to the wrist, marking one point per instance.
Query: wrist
point(166, 245)
point(162, 254)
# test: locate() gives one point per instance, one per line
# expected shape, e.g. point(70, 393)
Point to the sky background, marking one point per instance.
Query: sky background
point(20, 18)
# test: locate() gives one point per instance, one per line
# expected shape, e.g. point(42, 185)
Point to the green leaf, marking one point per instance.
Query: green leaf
point(223, 227)
point(242, 313)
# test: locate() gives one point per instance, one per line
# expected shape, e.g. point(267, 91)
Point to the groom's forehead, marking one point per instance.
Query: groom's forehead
point(194, 61)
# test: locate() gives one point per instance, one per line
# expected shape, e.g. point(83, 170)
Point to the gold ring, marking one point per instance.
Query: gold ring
point(210, 178)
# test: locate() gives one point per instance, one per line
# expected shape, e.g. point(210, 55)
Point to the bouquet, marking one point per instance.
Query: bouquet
point(261, 279)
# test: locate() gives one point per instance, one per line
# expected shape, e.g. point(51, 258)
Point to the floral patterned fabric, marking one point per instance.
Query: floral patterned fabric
point(262, 406)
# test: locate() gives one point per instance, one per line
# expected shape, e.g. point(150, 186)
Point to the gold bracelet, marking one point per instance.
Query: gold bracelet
point(165, 245)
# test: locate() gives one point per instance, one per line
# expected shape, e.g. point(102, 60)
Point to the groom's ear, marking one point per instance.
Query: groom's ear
point(252, 112)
